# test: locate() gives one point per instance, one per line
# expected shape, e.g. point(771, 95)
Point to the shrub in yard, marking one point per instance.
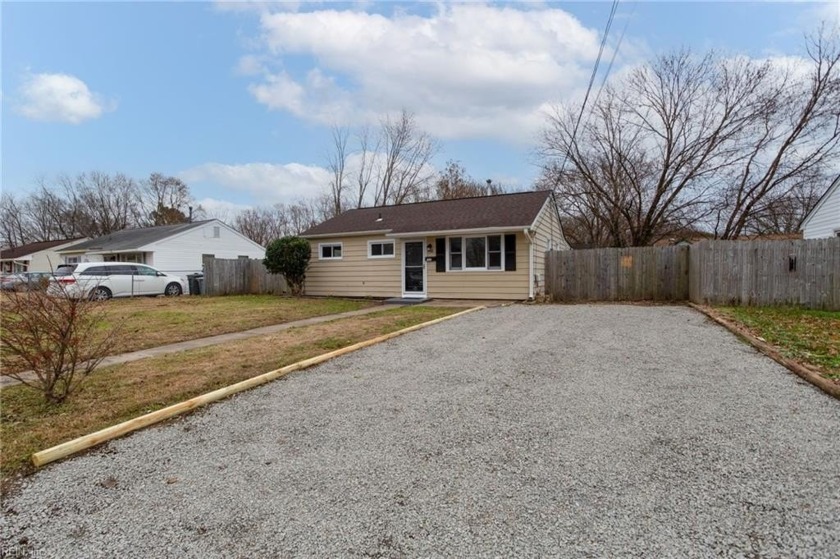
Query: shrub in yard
point(58, 338)
point(288, 256)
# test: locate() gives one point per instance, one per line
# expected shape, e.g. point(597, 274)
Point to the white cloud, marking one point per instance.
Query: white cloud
point(467, 70)
point(60, 98)
point(266, 183)
point(250, 65)
point(219, 209)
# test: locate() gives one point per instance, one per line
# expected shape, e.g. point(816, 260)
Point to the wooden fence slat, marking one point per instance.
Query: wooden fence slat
point(799, 272)
point(240, 277)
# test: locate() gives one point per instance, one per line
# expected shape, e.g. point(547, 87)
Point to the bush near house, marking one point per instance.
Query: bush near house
point(289, 256)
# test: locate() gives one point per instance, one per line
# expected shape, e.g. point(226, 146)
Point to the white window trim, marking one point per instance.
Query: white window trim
point(370, 254)
point(321, 251)
point(464, 267)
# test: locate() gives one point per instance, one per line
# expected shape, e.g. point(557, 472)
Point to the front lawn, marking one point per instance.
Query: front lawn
point(120, 392)
point(809, 336)
point(150, 322)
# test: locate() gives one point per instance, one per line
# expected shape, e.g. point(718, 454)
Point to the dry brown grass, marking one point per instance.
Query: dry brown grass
point(114, 394)
point(154, 321)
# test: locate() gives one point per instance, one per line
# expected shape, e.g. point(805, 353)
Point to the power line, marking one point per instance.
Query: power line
point(615, 52)
point(592, 79)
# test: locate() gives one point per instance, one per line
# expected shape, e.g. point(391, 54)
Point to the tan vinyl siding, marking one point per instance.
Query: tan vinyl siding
point(547, 227)
point(355, 275)
point(482, 284)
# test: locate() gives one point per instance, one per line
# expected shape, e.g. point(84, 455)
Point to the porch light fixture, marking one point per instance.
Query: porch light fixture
point(429, 247)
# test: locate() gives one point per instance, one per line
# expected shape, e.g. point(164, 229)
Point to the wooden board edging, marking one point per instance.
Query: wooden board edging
point(830, 388)
point(87, 441)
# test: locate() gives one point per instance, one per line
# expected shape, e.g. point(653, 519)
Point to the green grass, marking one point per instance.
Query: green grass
point(809, 336)
point(146, 322)
point(121, 392)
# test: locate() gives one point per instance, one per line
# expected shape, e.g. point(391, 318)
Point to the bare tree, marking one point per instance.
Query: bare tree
point(301, 216)
point(11, 221)
point(792, 145)
point(112, 202)
point(167, 200)
point(405, 172)
point(337, 165)
point(454, 182)
point(264, 224)
point(663, 148)
point(368, 149)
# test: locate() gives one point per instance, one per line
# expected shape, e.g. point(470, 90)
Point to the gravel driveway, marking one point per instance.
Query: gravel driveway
point(520, 431)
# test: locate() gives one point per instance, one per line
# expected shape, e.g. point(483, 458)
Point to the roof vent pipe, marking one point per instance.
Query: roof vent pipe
point(378, 219)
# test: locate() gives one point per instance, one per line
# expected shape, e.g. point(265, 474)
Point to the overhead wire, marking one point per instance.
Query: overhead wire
point(614, 54)
point(613, 10)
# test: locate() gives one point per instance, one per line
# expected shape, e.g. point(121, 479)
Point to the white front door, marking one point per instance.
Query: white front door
point(414, 269)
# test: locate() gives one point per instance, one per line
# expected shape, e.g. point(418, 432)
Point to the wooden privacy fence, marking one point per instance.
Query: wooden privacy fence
point(797, 272)
point(240, 276)
point(618, 274)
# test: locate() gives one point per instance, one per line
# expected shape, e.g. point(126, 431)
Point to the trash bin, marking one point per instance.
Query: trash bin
point(195, 282)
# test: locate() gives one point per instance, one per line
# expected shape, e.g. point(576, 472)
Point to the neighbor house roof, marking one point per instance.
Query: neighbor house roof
point(131, 239)
point(32, 248)
point(513, 211)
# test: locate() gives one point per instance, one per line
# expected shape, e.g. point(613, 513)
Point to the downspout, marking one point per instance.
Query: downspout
point(527, 233)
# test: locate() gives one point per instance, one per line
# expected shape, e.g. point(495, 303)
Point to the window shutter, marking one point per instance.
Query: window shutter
point(510, 253)
point(440, 255)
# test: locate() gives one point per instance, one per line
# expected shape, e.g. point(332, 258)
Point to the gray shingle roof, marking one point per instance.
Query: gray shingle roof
point(131, 239)
point(512, 211)
point(23, 250)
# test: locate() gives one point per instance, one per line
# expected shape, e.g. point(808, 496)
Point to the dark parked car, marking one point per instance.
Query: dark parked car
point(25, 281)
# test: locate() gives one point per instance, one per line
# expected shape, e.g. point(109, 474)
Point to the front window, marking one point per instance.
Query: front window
point(380, 249)
point(476, 253)
point(456, 255)
point(330, 251)
point(494, 252)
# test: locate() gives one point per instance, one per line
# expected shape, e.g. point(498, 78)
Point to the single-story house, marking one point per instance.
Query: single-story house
point(175, 249)
point(824, 220)
point(489, 247)
point(42, 256)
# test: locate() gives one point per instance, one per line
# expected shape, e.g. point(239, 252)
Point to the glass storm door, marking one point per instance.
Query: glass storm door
point(414, 267)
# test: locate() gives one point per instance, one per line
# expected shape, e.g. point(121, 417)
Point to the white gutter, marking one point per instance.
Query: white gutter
point(350, 234)
point(530, 263)
point(445, 232)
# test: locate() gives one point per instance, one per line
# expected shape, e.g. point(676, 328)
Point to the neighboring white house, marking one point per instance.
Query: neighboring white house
point(824, 219)
point(174, 249)
point(35, 257)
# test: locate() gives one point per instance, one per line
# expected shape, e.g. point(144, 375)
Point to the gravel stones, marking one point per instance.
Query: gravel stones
point(602, 430)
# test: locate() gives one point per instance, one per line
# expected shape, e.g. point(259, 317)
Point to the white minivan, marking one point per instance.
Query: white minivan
point(103, 280)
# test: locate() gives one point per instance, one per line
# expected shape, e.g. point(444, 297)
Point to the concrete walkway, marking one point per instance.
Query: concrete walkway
point(212, 340)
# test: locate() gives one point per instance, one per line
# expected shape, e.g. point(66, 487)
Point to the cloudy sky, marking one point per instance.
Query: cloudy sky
point(238, 98)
